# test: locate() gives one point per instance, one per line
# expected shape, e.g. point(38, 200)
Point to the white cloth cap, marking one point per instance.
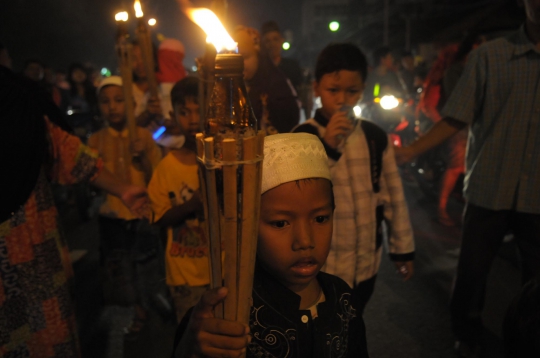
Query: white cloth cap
point(173, 45)
point(108, 81)
point(293, 156)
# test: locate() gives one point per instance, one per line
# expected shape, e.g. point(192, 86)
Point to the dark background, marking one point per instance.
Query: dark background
point(59, 32)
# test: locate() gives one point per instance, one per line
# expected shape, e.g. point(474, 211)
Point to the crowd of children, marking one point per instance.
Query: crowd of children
point(316, 262)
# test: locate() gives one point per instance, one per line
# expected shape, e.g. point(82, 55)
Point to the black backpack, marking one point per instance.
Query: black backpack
point(377, 141)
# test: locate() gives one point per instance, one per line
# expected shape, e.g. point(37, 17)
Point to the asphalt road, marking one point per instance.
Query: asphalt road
point(403, 319)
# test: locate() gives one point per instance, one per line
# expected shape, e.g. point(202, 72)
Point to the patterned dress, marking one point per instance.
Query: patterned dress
point(36, 313)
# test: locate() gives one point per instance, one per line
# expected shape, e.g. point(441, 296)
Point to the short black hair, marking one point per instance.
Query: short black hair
point(269, 26)
point(341, 56)
point(187, 87)
point(332, 199)
point(380, 53)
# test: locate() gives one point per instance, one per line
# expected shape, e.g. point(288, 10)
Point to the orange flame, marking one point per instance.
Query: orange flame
point(214, 29)
point(138, 9)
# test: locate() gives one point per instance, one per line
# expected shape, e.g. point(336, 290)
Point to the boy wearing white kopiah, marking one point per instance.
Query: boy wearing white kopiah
point(297, 310)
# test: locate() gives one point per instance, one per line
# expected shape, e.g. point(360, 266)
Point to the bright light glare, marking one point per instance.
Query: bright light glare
point(121, 16)
point(357, 111)
point(138, 9)
point(318, 103)
point(333, 26)
point(214, 29)
point(389, 102)
point(152, 22)
point(104, 71)
point(286, 46)
point(194, 68)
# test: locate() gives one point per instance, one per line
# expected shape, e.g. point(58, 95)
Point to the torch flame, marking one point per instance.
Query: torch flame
point(138, 9)
point(214, 29)
point(121, 16)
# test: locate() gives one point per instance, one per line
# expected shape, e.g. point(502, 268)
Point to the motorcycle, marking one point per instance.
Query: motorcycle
point(394, 115)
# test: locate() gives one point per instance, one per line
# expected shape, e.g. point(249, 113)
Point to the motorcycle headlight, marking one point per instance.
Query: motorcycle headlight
point(389, 102)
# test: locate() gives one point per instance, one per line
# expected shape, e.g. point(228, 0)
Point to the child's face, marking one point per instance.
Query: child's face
point(111, 104)
point(295, 230)
point(187, 117)
point(338, 89)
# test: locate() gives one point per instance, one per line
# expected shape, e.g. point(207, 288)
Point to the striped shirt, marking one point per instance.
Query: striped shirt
point(498, 95)
point(355, 255)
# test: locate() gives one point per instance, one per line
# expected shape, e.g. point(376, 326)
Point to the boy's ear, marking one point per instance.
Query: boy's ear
point(316, 88)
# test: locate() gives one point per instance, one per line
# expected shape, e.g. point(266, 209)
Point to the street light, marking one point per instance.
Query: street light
point(286, 46)
point(152, 22)
point(333, 26)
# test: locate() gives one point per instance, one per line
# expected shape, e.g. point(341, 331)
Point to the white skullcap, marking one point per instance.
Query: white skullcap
point(108, 81)
point(173, 45)
point(293, 156)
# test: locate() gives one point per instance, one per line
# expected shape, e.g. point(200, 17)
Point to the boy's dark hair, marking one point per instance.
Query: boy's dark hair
point(187, 87)
point(380, 53)
point(269, 26)
point(341, 56)
point(298, 181)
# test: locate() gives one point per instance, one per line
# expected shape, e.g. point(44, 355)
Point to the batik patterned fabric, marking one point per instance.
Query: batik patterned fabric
point(36, 313)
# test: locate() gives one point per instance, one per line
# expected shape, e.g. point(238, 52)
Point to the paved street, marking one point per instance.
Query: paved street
point(403, 319)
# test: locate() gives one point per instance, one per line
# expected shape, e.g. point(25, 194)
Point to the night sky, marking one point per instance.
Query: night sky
point(59, 32)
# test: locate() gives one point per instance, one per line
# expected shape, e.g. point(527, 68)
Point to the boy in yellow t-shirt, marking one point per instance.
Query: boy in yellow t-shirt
point(177, 206)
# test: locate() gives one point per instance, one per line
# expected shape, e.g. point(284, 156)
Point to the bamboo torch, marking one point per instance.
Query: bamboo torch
point(145, 41)
point(230, 153)
point(125, 62)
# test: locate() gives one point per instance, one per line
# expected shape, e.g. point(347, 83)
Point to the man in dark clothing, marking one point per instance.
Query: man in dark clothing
point(407, 72)
point(383, 79)
point(273, 99)
point(272, 43)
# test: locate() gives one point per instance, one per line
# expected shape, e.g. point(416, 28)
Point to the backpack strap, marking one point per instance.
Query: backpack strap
point(377, 141)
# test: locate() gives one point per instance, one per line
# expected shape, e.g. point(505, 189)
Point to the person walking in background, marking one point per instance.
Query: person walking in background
point(37, 315)
point(82, 107)
point(33, 70)
point(270, 93)
point(272, 45)
point(171, 70)
point(383, 79)
point(122, 233)
point(497, 96)
point(407, 72)
point(148, 109)
point(457, 144)
point(367, 186)
point(177, 206)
